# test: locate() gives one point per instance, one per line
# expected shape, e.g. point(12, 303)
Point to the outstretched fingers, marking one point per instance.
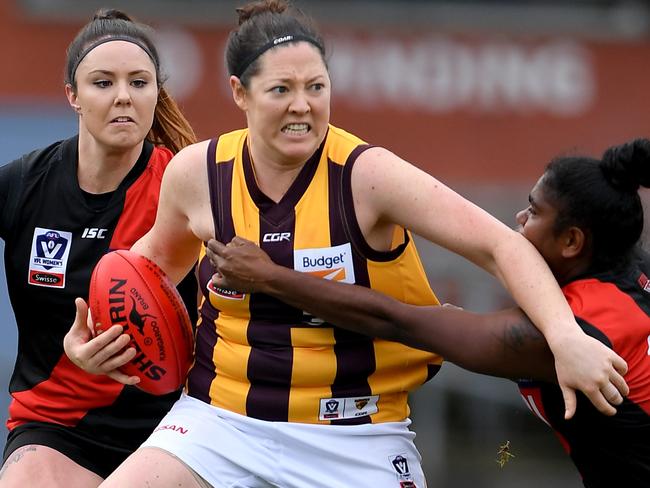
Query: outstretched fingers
point(608, 393)
point(585, 364)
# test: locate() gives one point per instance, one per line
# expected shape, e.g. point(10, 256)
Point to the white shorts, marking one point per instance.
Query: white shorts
point(231, 450)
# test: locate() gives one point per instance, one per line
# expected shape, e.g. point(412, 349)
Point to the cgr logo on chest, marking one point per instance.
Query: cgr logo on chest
point(277, 237)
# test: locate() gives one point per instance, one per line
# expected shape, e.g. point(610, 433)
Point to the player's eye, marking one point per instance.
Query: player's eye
point(139, 83)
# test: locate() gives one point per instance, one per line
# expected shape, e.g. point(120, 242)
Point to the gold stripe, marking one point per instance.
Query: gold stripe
point(228, 145)
point(314, 370)
point(339, 148)
point(312, 228)
point(230, 387)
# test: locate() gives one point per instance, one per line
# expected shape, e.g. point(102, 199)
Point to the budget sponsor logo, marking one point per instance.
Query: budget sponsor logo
point(331, 263)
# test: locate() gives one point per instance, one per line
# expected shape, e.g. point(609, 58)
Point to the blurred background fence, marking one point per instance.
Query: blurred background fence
point(478, 93)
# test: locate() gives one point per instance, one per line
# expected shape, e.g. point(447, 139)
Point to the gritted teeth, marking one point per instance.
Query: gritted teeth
point(296, 128)
point(122, 119)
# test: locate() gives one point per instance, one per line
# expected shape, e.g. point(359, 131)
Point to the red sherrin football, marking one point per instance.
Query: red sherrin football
point(132, 291)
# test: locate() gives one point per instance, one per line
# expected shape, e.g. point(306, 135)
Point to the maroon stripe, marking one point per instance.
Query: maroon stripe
point(220, 182)
point(213, 185)
point(355, 356)
point(269, 334)
point(355, 353)
point(203, 371)
point(352, 225)
point(338, 234)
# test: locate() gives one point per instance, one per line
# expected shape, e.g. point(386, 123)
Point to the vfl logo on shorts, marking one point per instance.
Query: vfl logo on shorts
point(347, 408)
point(331, 263)
point(49, 257)
point(401, 466)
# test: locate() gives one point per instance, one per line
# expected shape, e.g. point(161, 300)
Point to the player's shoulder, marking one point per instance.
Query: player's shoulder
point(191, 156)
point(588, 294)
point(188, 167)
point(45, 156)
point(337, 132)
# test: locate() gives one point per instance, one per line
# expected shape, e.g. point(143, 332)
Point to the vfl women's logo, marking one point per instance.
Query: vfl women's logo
point(50, 247)
point(49, 257)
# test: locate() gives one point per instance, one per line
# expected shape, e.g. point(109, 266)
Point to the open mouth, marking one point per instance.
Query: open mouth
point(296, 129)
point(122, 120)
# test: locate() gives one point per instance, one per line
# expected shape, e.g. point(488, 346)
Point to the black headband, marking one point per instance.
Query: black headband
point(110, 38)
point(272, 43)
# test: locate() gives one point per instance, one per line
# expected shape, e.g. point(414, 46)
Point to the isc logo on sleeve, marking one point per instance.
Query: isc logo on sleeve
point(332, 263)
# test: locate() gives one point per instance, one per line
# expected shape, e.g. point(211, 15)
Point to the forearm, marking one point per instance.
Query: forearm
point(352, 307)
point(527, 277)
point(503, 344)
point(176, 262)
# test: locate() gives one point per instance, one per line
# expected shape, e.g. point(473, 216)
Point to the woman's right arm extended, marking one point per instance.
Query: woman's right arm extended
point(504, 343)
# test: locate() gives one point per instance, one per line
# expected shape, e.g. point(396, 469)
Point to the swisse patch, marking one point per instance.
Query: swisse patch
point(332, 263)
point(48, 258)
point(225, 293)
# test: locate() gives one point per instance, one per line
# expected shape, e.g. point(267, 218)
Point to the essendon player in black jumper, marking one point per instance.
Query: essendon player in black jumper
point(61, 209)
point(585, 217)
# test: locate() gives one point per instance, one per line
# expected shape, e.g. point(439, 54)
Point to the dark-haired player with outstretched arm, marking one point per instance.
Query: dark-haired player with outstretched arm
point(275, 398)
point(585, 217)
point(61, 209)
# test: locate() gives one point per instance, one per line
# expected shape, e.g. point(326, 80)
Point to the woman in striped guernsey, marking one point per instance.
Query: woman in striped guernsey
point(585, 217)
point(277, 397)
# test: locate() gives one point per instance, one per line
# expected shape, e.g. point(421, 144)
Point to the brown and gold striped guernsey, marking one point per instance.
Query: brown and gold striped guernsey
point(257, 356)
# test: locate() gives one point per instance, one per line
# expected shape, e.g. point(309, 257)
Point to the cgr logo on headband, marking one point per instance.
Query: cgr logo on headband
point(282, 39)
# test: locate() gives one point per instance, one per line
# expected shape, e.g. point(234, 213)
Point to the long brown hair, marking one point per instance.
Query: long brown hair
point(170, 128)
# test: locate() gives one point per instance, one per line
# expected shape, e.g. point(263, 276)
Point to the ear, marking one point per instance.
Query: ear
point(72, 97)
point(238, 93)
point(573, 242)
